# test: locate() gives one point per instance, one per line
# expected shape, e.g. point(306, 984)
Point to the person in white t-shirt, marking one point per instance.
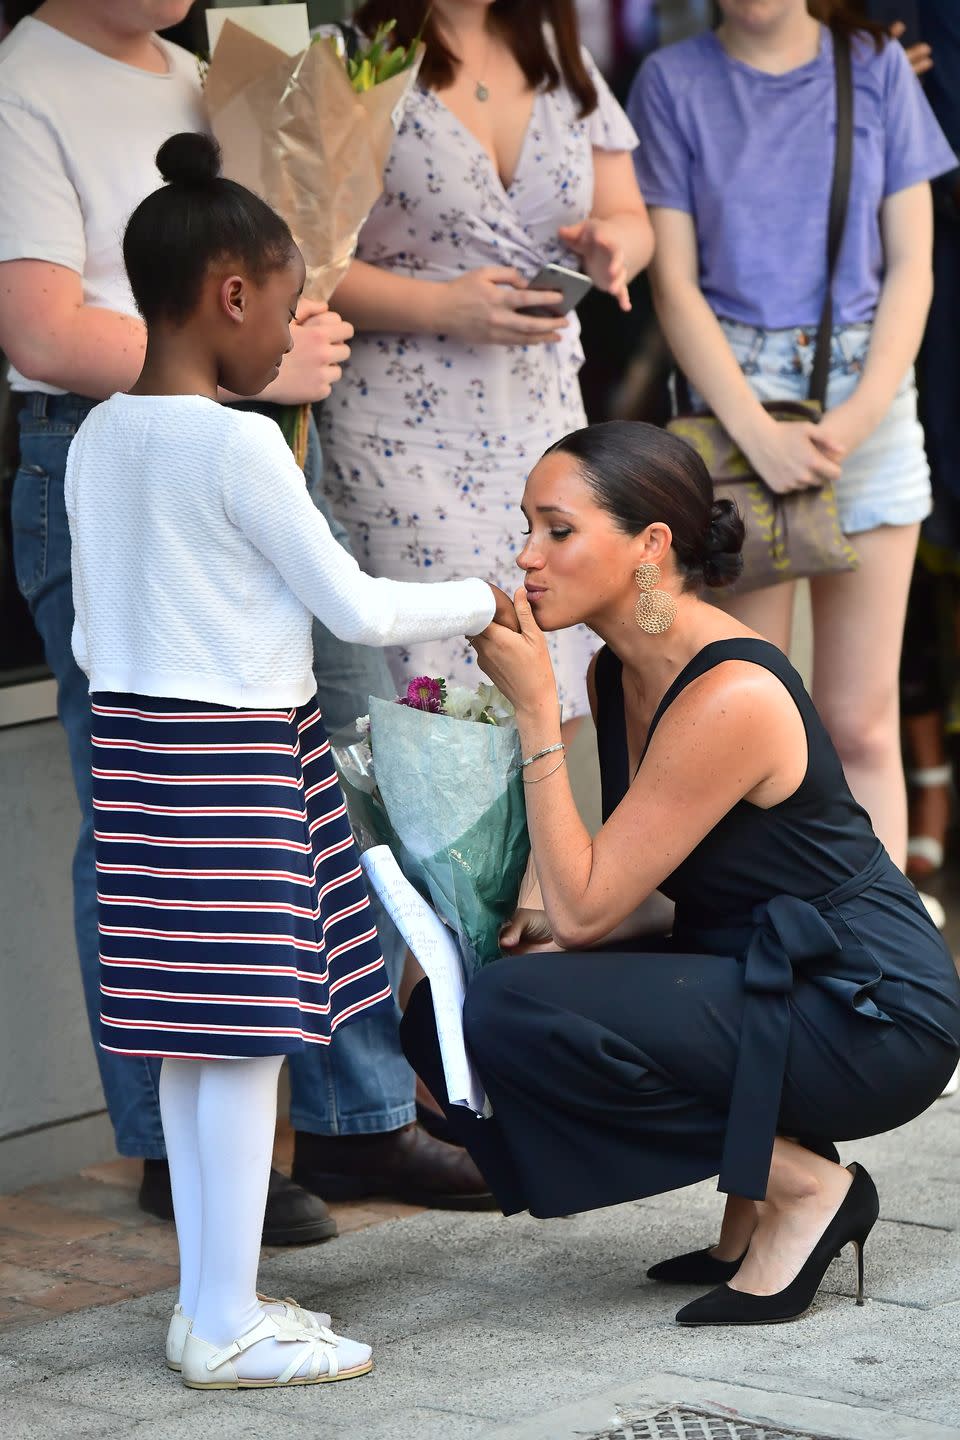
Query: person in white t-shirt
point(88, 92)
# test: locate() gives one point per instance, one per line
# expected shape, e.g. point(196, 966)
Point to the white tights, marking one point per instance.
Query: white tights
point(219, 1118)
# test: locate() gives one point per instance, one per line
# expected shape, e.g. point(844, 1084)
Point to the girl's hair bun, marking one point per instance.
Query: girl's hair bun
point(190, 158)
point(723, 558)
point(179, 230)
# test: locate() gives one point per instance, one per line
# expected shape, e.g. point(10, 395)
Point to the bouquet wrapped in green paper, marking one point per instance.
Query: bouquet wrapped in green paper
point(436, 776)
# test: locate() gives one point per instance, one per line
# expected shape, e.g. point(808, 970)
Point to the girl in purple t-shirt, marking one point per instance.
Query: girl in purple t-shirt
point(735, 162)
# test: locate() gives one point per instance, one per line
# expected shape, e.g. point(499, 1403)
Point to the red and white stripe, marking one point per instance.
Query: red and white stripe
point(128, 837)
point(121, 807)
point(166, 872)
point(154, 777)
point(180, 717)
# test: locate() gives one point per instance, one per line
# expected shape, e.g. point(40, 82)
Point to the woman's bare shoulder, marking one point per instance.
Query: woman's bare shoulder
point(735, 709)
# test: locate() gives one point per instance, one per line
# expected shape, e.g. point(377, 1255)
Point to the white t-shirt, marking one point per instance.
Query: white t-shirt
point(79, 134)
point(198, 559)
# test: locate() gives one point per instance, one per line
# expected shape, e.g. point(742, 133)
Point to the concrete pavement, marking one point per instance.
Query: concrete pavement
point(530, 1330)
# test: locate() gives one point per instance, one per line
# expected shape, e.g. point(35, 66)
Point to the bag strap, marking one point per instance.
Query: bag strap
point(839, 196)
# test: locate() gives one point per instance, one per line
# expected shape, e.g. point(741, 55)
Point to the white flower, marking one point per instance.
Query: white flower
point(363, 726)
point(495, 703)
point(461, 703)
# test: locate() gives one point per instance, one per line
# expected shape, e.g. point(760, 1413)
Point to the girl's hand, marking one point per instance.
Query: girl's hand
point(843, 428)
point(505, 614)
point(794, 454)
point(518, 664)
point(529, 930)
point(487, 306)
point(600, 248)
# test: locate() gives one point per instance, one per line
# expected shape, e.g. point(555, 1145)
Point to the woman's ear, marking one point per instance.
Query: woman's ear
point(653, 544)
point(233, 298)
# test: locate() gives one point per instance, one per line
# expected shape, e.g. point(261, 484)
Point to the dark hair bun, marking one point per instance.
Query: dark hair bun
point(179, 230)
point(189, 159)
point(723, 558)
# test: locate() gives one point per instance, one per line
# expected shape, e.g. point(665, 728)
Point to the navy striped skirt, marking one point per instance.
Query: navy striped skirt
point(234, 918)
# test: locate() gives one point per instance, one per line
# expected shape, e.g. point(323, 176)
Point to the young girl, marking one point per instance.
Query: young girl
point(234, 922)
point(736, 130)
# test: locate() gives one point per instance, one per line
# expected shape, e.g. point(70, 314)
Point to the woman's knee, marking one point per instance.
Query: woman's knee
point(492, 1010)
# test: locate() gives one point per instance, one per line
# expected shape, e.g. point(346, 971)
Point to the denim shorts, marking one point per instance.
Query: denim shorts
point(886, 480)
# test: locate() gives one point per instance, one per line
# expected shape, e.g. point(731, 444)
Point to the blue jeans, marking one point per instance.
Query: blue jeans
point(361, 1082)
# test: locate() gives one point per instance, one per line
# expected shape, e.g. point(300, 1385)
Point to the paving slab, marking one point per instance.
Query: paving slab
point(230, 1423)
point(614, 1409)
point(57, 1419)
point(416, 1422)
point(480, 1323)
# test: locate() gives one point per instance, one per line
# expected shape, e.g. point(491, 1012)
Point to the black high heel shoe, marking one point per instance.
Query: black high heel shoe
point(851, 1225)
point(698, 1267)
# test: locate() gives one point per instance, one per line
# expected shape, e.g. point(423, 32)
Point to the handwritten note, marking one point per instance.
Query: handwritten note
point(439, 956)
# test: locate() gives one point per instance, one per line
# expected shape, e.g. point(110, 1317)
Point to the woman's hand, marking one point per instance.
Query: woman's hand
point(794, 454)
point(312, 368)
point(518, 664)
point(529, 930)
point(487, 307)
point(600, 247)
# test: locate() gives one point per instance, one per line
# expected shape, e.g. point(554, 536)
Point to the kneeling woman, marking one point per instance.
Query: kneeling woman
point(804, 995)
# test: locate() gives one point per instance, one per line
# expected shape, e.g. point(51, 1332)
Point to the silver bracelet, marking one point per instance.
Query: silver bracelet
point(538, 778)
point(550, 750)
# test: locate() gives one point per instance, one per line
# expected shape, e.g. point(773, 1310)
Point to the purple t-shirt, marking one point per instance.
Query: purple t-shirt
point(750, 157)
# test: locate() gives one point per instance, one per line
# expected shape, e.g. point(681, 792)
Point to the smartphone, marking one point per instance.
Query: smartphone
point(572, 285)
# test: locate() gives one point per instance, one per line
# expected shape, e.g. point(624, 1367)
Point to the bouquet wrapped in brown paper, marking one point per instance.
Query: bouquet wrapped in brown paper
point(309, 132)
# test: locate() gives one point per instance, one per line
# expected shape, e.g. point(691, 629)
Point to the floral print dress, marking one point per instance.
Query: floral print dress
point(428, 440)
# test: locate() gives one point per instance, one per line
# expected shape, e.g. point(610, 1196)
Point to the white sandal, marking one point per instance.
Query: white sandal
point(926, 847)
point(180, 1324)
point(177, 1332)
point(209, 1367)
point(934, 909)
point(952, 1085)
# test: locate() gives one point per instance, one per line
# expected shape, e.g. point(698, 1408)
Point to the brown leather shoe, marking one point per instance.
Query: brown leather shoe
point(406, 1164)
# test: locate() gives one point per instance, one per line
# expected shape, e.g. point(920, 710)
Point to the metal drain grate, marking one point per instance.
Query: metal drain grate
point(680, 1422)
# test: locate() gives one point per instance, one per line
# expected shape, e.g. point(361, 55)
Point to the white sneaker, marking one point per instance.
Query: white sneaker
point(180, 1324)
point(318, 1356)
point(934, 909)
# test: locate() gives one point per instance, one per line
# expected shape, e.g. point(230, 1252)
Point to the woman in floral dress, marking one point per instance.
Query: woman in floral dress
point(511, 154)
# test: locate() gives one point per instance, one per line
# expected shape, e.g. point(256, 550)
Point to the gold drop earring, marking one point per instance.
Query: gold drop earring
point(656, 609)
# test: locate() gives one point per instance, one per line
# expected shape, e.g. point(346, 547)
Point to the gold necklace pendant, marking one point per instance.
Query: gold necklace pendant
point(481, 91)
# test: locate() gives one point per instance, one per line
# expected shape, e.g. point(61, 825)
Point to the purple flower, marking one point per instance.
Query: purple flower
point(425, 693)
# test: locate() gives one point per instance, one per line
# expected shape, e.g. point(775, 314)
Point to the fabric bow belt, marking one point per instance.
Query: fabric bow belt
point(789, 937)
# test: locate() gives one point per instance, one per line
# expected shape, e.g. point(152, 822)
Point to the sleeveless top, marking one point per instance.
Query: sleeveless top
point(804, 890)
point(807, 844)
